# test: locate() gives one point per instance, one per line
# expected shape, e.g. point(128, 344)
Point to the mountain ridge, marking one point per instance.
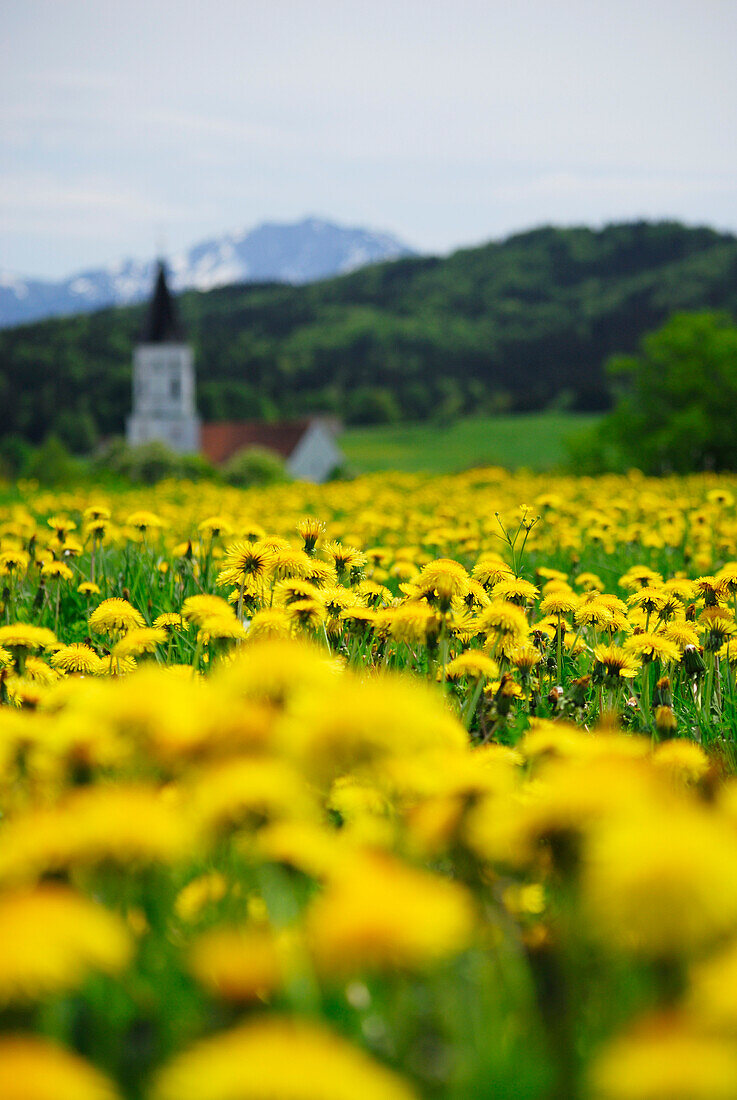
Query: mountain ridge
point(517, 324)
point(289, 252)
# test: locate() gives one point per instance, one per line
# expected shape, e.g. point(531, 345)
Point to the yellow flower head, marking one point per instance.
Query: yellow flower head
point(563, 602)
point(51, 937)
point(310, 530)
point(472, 665)
point(56, 570)
point(88, 588)
point(215, 526)
point(77, 658)
point(198, 609)
point(35, 1069)
point(371, 917)
point(144, 521)
point(14, 563)
point(515, 590)
point(142, 639)
point(25, 636)
point(665, 1058)
point(299, 1059)
point(649, 647)
point(501, 617)
point(115, 616)
point(245, 559)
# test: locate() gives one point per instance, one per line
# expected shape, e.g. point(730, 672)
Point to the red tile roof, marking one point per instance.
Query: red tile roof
point(220, 440)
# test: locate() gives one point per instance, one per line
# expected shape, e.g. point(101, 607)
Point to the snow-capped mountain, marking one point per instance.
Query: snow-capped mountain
point(295, 253)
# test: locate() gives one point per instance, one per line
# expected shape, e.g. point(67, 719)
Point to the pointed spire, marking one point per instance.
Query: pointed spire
point(162, 323)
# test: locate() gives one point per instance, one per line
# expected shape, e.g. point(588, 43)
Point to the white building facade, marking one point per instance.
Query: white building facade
point(164, 401)
point(316, 455)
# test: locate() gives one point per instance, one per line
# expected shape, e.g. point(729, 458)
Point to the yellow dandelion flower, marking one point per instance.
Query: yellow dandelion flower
point(77, 658)
point(169, 621)
point(37, 669)
point(215, 527)
point(88, 588)
point(26, 637)
point(379, 913)
point(472, 665)
point(665, 1058)
point(115, 616)
point(97, 511)
point(524, 657)
point(209, 888)
point(310, 530)
point(14, 563)
point(249, 792)
point(308, 614)
point(300, 1060)
point(271, 622)
point(52, 937)
point(501, 617)
point(122, 823)
point(649, 647)
point(291, 563)
point(441, 580)
point(593, 613)
point(140, 640)
point(589, 582)
point(515, 590)
point(197, 609)
point(615, 662)
point(224, 627)
point(289, 591)
point(413, 623)
point(144, 521)
point(22, 691)
point(660, 899)
point(35, 1069)
point(239, 964)
point(245, 559)
point(61, 525)
point(350, 722)
point(489, 571)
point(681, 633)
point(648, 599)
point(640, 576)
point(319, 573)
point(712, 997)
point(57, 570)
point(344, 558)
point(685, 760)
point(563, 602)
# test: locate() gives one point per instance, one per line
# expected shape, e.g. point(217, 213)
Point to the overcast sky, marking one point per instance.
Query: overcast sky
point(124, 123)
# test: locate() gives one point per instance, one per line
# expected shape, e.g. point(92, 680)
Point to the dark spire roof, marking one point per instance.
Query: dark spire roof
point(162, 323)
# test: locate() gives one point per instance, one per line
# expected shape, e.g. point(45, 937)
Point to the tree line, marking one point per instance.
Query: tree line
point(517, 324)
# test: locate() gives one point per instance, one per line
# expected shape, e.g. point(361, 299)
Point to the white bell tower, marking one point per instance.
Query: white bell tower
point(163, 379)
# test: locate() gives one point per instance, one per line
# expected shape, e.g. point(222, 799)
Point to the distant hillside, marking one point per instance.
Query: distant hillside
point(511, 323)
point(294, 253)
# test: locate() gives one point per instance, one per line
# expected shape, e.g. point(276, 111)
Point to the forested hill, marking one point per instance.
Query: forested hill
point(519, 321)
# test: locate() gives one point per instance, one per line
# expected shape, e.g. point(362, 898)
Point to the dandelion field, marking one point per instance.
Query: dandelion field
point(400, 787)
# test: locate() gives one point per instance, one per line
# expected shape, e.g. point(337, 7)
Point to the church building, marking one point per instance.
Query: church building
point(164, 406)
point(163, 379)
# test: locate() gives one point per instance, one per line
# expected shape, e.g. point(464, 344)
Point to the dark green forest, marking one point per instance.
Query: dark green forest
point(519, 324)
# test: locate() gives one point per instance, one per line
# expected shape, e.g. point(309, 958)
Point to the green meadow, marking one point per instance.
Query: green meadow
point(534, 440)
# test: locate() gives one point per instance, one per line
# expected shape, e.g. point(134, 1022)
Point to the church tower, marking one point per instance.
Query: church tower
point(163, 379)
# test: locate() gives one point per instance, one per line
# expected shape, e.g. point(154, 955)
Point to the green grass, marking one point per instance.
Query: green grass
point(534, 440)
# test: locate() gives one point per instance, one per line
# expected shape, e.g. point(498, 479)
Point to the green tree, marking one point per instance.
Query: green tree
point(254, 466)
point(51, 463)
point(675, 403)
point(372, 405)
